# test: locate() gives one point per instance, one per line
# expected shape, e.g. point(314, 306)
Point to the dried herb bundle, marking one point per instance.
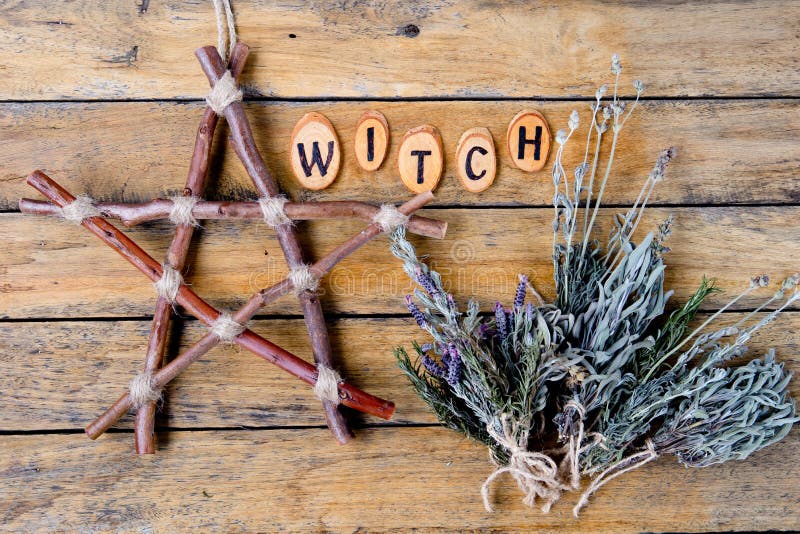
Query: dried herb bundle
point(602, 380)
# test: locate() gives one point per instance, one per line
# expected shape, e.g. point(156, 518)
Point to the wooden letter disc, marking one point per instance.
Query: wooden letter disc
point(421, 159)
point(372, 140)
point(528, 140)
point(476, 160)
point(315, 153)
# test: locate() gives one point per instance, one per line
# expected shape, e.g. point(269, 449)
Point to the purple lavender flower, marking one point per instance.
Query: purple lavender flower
point(529, 312)
point(426, 347)
point(454, 366)
point(519, 297)
point(426, 282)
point(432, 367)
point(500, 320)
point(416, 313)
point(485, 331)
point(451, 301)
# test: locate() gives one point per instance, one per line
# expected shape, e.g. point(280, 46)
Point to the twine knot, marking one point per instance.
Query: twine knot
point(536, 473)
point(303, 279)
point(80, 209)
point(226, 329)
point(181, 212)
point(389, 218)
point(327, 386)
point(273, 210)
point(168, 285)
point(144, 390)
point(224, 93)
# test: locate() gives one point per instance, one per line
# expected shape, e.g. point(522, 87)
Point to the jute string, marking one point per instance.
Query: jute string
point(168, 285)
point(630, 463)
point(389, 218)
point(226, 329)
point(226, 28)
point(181, 212)
point(327, 386)
point(144, 390)
point(224, 93)
point(570, 462)
point(273, 210)
point(536, 473)
point(303, 279)
point(79, 210)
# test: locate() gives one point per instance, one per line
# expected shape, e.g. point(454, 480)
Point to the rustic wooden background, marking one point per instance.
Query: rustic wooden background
point(105, 97)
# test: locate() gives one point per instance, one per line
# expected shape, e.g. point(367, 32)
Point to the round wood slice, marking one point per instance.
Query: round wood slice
point(536, 133)
point(371, 140)
point(421, 159)
point(476, 159)
point(315, 152)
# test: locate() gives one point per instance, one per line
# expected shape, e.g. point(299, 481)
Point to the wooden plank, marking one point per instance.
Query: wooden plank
point(59, 375)
point(728, 151)
point(51, 268)
point(390, 479)
point(417, 49)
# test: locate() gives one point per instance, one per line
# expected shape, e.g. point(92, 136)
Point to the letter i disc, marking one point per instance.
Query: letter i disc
point(476, 160)
point(315, 153)
point(528, 140)
point(421, 159)
point(371, 140)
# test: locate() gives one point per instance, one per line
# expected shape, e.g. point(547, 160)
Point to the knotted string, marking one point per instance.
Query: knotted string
point(630, 463)
point(144, 390)
point(570, 462)
point(181, 212)
point(168, 285)
point(303, 279)
point(79, 209)
point(536, 473)
point(226, 329)
point(327, 386)
point(274, 211)
point(389, 218)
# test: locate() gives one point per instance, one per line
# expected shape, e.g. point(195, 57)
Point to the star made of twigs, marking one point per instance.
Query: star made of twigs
point(184, 211)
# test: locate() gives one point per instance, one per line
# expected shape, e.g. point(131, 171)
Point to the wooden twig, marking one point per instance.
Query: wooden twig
point(242, 139)
point(144, 426)
point(350, 396)
point(134, 214)
point(246, 312)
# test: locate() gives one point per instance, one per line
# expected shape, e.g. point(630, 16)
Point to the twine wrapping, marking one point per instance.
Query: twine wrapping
point(536, 473)
point(303, 279)
point(181, 212)
point(630, 463)
point(226, 329)
point(327, 386)
point(80, 209)
point(273, 210)
point(224, 93)
point(389, 218)
point(168, 285)
point(144, 390)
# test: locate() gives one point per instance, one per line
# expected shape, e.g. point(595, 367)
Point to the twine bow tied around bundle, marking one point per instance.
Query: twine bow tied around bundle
point(536, 473)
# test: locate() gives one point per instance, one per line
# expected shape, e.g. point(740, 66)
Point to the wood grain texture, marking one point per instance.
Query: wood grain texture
point(410, 49)
point(51, 268)
point(297, 480)
point(58, 375)
point(728, 151)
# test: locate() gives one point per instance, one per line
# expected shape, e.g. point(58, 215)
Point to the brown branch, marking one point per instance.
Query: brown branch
point(241, 137)
point(350, 396)
point(133, 214)
point(176, 258)
point(246, 312)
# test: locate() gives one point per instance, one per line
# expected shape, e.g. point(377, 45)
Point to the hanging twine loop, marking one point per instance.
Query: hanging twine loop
point(303, 279)
point(80, 209)
point(536, 474)
point(168, 285)
point(144, 390)
point(327, 386)
point(226, 329)
point(630, 463)
point(273, 209)
point(225, 91)
point(389, 218)
point(181, 212)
